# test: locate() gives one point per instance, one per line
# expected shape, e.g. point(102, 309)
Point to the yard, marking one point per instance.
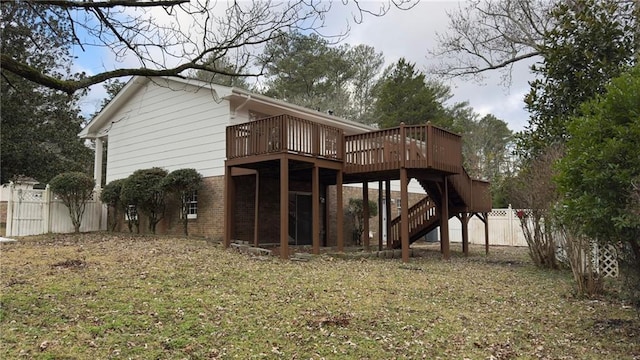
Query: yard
point(98, 296)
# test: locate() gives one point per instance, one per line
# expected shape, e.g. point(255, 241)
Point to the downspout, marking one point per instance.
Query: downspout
point(240, 107)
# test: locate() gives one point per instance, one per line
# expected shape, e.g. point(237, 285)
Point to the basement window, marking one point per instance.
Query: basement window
point(190, 202)
point(131, 213)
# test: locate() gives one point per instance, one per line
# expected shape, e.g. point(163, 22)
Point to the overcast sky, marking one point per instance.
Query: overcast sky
point(409, 34)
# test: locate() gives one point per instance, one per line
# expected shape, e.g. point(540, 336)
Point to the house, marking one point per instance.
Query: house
point(283, 166)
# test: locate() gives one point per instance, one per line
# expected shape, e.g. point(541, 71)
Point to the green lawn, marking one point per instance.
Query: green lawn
point(101, 296)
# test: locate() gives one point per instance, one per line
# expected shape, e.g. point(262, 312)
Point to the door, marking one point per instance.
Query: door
point(300, 219)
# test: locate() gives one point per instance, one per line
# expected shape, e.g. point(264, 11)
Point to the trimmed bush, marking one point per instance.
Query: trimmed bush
point(75, 189)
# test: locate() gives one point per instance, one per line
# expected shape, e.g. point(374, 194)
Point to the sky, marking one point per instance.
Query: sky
point(399, 33)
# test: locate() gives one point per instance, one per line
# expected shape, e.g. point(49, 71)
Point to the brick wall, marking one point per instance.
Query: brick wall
point(210, 221)
point(3, 217)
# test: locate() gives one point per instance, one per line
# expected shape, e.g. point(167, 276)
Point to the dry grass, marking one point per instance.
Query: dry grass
point(102, 296)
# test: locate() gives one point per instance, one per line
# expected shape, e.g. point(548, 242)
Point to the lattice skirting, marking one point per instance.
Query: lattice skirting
point(606, 260)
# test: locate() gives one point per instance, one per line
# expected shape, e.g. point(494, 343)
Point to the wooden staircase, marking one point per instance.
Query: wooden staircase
point(423, 217)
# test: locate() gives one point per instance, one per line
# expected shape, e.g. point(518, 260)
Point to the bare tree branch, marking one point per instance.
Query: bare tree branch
point(69, 4)
point(492, 35)
point(71, 86)
point(169, 37)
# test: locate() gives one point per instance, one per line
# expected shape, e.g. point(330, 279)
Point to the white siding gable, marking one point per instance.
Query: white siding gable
point(169, 128)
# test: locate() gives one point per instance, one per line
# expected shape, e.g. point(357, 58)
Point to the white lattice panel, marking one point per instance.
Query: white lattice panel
point(607, 261)
point(499, 212)
point(30, 195)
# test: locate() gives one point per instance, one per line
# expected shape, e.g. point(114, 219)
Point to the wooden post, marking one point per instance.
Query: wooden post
point(464, 219)
point(429, 144)
point(339, 212)
point(403, 144)
point(444, 222)
point(404, 214)
point(388, 224)
point(256, 217)
point(365, 214)
point(315, 208)
point(284, 207)
point(229, 199)
point(380, 216)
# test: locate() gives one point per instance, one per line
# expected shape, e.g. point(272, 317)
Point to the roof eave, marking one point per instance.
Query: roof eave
point(345, 124)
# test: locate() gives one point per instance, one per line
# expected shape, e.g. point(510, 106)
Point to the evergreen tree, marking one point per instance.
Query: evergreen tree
point(403, 95)
point(39, 125)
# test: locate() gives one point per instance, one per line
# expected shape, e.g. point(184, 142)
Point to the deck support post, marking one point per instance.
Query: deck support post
point(365, 215)
point(339, 212)
point(229, 197)
point(444, 222)
point(404, 214)
point(284, 207)
point(256, 214)
point(387, 186)
point(315, 208)
point(464, 219)
point(380, 211)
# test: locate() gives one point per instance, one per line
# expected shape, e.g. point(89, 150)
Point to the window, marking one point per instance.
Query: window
point(131, 213)
point(190, 203)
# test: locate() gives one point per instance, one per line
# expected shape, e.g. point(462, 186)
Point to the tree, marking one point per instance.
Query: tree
point(183, 182)
point(39, 125)
point(534, 191)
point(143, 190)
point(75, 189)
point(403, 95)
point(492, 35)
point(305, 70)
point(367, 65)
point(485, 148)
point(167, 37)
point(112, 87)
point(598, 176)
point(355, 210)
point(111, 195)
point(590, 44)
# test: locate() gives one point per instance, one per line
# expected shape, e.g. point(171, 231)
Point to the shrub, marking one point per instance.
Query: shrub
point(143, 189)
point(355, 210)
point(75, 189)
point(111, 196)
point(183, 183)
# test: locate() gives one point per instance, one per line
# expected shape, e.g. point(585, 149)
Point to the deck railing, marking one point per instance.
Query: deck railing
point(422, 214)
point(415, 146)
point(284, 133)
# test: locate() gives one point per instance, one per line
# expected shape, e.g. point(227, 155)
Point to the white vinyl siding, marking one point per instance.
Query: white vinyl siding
point(161, 127)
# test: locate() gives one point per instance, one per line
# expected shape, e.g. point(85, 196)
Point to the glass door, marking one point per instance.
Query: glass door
point(300, 225)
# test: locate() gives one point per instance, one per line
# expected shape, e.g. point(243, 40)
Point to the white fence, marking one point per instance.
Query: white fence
point(504, 229)
point(34, 212)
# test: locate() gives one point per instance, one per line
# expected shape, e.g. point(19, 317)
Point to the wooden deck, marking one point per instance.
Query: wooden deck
point(372, 156)
point(427, 153)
